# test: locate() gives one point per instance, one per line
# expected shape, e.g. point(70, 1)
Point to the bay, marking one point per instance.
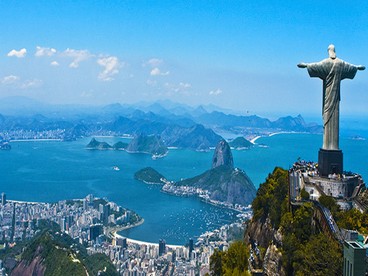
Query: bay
point(49, 171)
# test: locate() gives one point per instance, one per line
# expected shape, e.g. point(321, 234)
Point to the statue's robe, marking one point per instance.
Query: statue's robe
point(331, 71)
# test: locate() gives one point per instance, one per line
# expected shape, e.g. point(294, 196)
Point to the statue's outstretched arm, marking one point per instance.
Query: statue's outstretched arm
point(302, 65)
point(361, 67)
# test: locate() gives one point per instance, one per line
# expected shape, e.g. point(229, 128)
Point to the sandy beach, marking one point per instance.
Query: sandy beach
point(116, 235)
point(35, 140)
point(253, 141)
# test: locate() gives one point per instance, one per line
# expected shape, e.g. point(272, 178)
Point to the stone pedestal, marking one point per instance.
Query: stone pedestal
point(330, 162)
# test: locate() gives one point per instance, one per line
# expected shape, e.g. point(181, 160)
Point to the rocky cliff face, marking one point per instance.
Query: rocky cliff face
point(34, 268)
point(262, 232)
point(224, 182)
point(222, 155)
point(272, 263)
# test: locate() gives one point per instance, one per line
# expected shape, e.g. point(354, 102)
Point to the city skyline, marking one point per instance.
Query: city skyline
point(237, 55)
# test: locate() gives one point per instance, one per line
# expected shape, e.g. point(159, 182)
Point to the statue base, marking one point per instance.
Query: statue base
point(330, 162)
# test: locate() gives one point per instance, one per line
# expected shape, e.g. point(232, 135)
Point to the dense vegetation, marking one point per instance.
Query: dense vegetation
point(305, 251)
point(352, 219)
point(271, 200)
point(234, 261)
point(60, 257)
point(58, 254)
point(56, 258)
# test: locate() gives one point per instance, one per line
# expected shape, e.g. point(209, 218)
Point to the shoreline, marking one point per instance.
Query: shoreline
point(253, 141)
point(133, 241)
point(113, 231)
point(35, 140)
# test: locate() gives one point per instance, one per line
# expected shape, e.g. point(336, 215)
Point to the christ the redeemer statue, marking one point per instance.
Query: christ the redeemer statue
point(331, 70)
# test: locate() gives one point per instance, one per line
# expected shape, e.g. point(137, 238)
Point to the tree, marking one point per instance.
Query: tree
point(353, 220)
point(236, 257)
point(304, 194)
point(330, 203)
point(320, 256)
point(232, 262)
point(302, 222)
point(271, 199)
point(216, 261)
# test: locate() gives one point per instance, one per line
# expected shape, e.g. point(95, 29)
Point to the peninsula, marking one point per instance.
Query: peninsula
point(222, 185)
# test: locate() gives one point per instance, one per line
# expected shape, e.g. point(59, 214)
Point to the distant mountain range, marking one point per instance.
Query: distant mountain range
point(178, 125)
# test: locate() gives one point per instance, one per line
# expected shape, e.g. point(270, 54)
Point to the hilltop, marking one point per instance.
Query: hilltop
point(240, 143)
point(278, 240)
point(54, 253)
point(150, 176)
point(223, 182)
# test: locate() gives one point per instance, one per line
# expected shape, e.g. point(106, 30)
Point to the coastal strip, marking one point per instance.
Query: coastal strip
point(113, 231)
point(132, 241)
point(36, 140)
point(253, 140)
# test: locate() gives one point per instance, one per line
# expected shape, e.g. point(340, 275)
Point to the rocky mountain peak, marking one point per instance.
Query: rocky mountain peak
point(222, 155)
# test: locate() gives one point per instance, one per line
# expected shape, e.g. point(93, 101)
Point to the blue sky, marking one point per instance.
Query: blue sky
point(236, 54)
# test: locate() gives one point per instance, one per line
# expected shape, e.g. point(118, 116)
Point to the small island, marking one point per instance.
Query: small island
point(96, 145)
point(150, 176)
point(120, 146)
point(240, 143)
point(151, 144)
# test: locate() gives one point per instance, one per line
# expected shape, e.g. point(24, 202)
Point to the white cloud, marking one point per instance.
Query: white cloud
point(16, 82)
point(19, 54)
point(44, 51)
point(185, 85)
point(54, 63)
point(31, 83)
point(157, 72)
point(215, 92)
point(77, 55)
point(154, 62)
point(111, 67)
point(181, 88)
point(11, 79)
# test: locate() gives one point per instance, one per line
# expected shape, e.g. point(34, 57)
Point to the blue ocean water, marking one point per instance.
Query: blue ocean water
point(50, 171)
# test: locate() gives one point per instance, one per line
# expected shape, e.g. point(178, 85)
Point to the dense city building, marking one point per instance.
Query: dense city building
point(85, 221)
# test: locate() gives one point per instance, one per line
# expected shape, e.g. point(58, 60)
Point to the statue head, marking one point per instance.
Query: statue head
point(331, 51)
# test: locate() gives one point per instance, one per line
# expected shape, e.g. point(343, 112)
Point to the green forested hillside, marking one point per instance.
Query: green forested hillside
point(54, 253)
point(305, 251)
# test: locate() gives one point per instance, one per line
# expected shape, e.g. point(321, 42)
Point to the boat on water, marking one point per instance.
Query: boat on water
point(116, 168)
point(5, 146)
